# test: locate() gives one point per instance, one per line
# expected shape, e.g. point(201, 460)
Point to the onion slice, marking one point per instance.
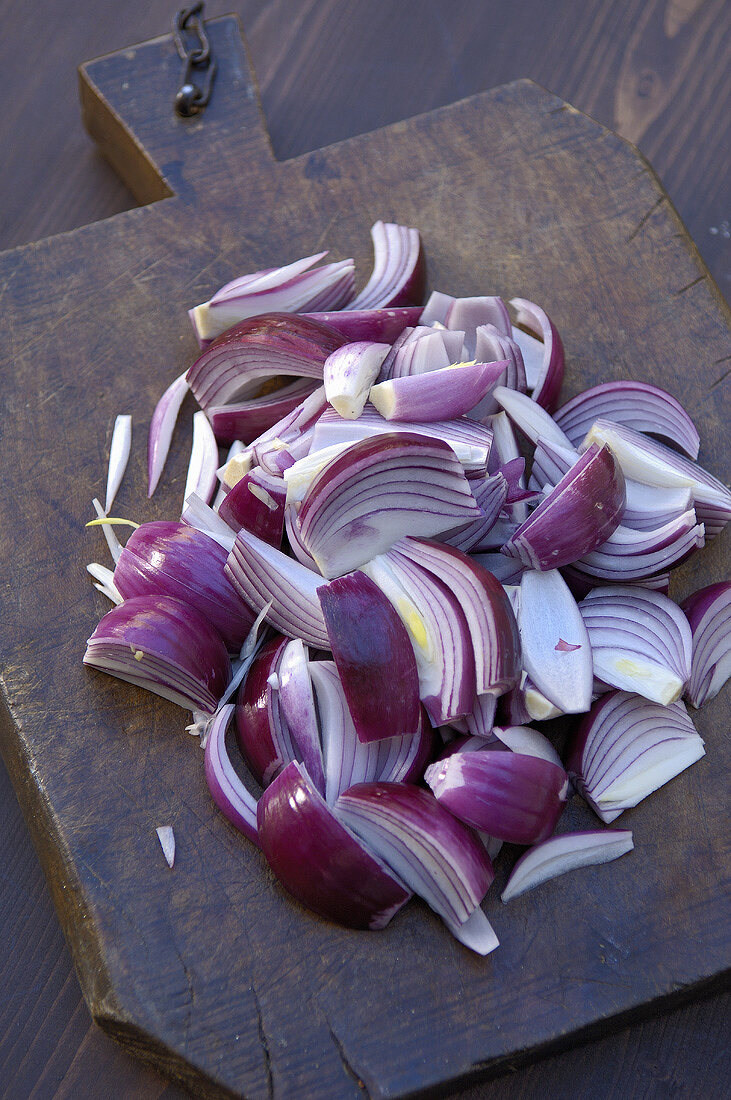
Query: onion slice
point(438, 858)
point(564, 853)
point(640, 641)
point(555, 641)
point(348, 375)
point(576, 517)
point(626, 747)
point(118, 457)
point(234, 801)
point(320, 861)
point(264, 737)
point(256, 502)
point(203, 464)
point(549, 376)
point(374, 657)
point(532, 420)
point(399, 269)
point(637, 405)
point(375, 325)
point(161, 429)
point(438, 395)
point(709, 614)
point(376, 491)
point(166, 836)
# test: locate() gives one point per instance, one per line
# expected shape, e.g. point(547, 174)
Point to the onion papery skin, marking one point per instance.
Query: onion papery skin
point(248, 419)
point(637, 405)
point(492, 625)
point(640, 641)
point(381, 326)
point(262, 347)
point(319, 861)
point(175, 559)
point(256, 502)
point(709, 614)
point(439, 634)
point(265, 576)
point(509, 795)
point(399, 269)
point(374, 657)
point(262, 732)
point(576, 517)
point(184, 658)
point(378, 490)
point(563, 853)
point(548, 386)
point(433, 853)
point(626, 747)
point(555, 642)
point(438, 395)
point(651, 462)
point(470, 441)
point(234, 801)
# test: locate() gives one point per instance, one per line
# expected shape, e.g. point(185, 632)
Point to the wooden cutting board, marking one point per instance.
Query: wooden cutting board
point(209, 970)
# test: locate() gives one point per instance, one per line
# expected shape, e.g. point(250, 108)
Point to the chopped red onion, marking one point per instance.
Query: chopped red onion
point(115, 546)
point(376, 325)
point(651, 462)
point(348, 375)
point(576, 517)
point(549, 614)
point(378, 490)
point(297, 703)
point(421, 350)
point(234, 801)
point(164, 645)
point(320, 861)
point(528, 742)
point(437, 395)
point(492, 626)
point(275, 344)
point(640, 641)
point(564, 853)
point(470, 314)
point(548, 378)
point(709, 614)
point(627, 747)
point(510, 795)
point(203, 464)
point(265, 577)
point(161, 429)
point(262, 732)
point(373, 655)
point(629, 554)
point(439, 634)
point(435, 855)
point(247, 420)
point(175, 559)
point(166, 836)
point(491, 344)
point(490, 494)
point(118, 457)
point(256, 502)
point(637, 405)
point(532, 420)
point(399, 269)
point(290, 289)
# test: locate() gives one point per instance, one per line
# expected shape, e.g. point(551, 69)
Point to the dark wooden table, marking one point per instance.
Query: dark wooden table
point(654, 70)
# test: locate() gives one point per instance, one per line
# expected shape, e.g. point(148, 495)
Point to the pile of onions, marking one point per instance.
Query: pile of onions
point(366, 608)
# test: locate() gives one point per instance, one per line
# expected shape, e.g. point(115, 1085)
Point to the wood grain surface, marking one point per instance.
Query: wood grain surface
point(48, 1046)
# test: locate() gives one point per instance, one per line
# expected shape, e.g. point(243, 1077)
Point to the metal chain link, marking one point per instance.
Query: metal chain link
point(197, 60)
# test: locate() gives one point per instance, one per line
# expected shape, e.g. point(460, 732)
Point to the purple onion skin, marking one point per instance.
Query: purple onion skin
point(322, 864)
point(380, 326)
point(175, 559)
point(242, 508)
point(426, 752)
point(374, 657)
point(172, 630)
point(569, 523)
point(513, 797)
point(696, 605)
point(253, 717)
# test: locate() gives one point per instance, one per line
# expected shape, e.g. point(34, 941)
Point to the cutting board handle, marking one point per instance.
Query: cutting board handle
point(127, 107)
